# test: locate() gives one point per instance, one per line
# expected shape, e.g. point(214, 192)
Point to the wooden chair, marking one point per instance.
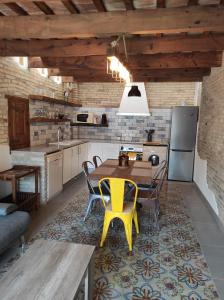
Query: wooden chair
point(118, 208)
point(97, 161)
point(94, 192)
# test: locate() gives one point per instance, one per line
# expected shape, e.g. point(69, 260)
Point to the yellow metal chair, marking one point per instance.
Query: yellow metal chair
point(118, 208)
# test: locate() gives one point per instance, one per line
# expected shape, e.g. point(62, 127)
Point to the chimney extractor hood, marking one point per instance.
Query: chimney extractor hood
point(134, 101)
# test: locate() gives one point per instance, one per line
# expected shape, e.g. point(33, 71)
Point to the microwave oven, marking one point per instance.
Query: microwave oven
point(84, 118)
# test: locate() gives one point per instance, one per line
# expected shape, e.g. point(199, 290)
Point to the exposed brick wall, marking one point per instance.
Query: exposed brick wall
point(211, 133)
point(17, 81)
point(165, 94)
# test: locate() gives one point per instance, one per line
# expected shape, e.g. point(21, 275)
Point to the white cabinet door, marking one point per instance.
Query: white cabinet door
point(110, 151)
point(67, 165)
point(83, 155)
point(75, 161)
point(95, 149)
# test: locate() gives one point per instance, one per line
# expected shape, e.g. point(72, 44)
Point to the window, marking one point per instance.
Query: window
point(22, 61)
point(57, 79)
point(43, 71)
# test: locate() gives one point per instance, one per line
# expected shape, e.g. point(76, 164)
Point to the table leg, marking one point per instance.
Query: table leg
point(14, 189)
point(36, 189)
point(89, 281)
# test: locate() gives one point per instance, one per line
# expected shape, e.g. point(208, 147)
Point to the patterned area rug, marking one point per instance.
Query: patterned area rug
point(165, 264)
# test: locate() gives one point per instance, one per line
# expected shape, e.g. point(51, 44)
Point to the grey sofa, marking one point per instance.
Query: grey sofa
point(12, 227)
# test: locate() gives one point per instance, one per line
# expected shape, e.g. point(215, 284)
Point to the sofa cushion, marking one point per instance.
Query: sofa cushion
point(12, 227)
point(7, 208)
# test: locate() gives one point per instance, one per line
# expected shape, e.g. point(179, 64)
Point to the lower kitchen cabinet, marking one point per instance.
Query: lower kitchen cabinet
point(103, 150)
point(75, 161)
point(67, 164)
point(73, 158)
point(94, 149)
point(110, 151)
point(83, 155)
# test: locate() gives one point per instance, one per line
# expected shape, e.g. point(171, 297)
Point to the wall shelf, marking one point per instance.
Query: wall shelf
point(53, 100)
point(48, 120)
point(89, 125)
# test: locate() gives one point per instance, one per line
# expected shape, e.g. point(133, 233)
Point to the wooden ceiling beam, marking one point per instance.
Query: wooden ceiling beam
point(197, 72)
point(156, 61)
point(161, 3)
point(169, 20)
point(44, 8)
point(140, 79)
point(17, 9)
point(70, 6)
point(129, 4)
point(89, 47)
point(99, 5)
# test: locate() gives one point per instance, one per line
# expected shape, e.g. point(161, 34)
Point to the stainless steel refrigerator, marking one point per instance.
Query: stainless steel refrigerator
point(182, 143)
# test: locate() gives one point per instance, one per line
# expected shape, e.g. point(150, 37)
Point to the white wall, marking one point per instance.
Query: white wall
point(200, 166)
point(5, 163)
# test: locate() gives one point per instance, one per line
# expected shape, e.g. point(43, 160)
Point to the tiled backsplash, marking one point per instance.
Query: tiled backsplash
point(128, 128)
point(47, 132)
point(125, 128)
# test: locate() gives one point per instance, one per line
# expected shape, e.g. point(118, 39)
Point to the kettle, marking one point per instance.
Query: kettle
point(154, 159)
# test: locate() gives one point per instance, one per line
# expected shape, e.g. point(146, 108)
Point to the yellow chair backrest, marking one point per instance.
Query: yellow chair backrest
point(117, 192)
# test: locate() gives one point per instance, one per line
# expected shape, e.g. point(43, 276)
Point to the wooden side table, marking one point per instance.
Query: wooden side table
point(24, 200)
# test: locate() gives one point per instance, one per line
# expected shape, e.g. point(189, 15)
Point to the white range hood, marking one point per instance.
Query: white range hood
point(134, 101)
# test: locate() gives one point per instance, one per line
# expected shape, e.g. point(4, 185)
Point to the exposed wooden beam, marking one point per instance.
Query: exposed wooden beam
point(192, 2)
point(99, 5)
point(161, 3)
point(156, 61)
point(44, 7)
point(88, 47)
point(17, 9)
point(129, 4)
point(141, 79)
point(70, 6)
point(169, 20)
point(197, 72)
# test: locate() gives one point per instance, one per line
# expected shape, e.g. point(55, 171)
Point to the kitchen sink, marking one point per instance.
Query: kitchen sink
point(66, 143)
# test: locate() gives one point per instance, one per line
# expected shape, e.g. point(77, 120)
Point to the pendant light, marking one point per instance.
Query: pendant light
point(134, 100)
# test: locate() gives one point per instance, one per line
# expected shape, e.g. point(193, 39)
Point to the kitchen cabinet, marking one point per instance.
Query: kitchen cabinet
point(82, 155)
point(110, 151)
point(75, 162)
point(161, 151)
point(103, 150)
point(95, 149)
point(67, 165)
point(73, 158)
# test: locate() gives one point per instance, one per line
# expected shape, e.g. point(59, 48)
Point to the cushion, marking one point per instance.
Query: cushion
point(7, 208)
point(12, 227)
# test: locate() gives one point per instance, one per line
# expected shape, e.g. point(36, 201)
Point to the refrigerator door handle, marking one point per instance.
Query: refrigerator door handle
point(178, 150)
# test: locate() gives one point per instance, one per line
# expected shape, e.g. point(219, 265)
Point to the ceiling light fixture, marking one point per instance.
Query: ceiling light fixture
point(114, 65)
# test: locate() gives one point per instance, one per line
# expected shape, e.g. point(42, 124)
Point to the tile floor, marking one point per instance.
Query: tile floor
point(210, 236)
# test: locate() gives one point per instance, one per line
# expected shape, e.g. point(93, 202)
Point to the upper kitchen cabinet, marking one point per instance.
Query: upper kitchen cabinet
point(18, 122)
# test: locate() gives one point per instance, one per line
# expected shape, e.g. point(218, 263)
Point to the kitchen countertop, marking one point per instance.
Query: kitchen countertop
point(155, 143)
point(47, 149)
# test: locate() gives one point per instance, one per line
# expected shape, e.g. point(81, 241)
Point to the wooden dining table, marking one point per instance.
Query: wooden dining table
point(141, 172)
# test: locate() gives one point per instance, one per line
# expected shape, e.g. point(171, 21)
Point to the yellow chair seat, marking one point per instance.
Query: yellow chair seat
point(127, 207)
point(117, 208)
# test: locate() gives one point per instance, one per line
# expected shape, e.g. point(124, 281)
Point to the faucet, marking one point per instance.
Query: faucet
point(59, 134)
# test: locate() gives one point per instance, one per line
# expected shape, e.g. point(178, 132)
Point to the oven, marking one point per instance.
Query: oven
point(134, 153)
